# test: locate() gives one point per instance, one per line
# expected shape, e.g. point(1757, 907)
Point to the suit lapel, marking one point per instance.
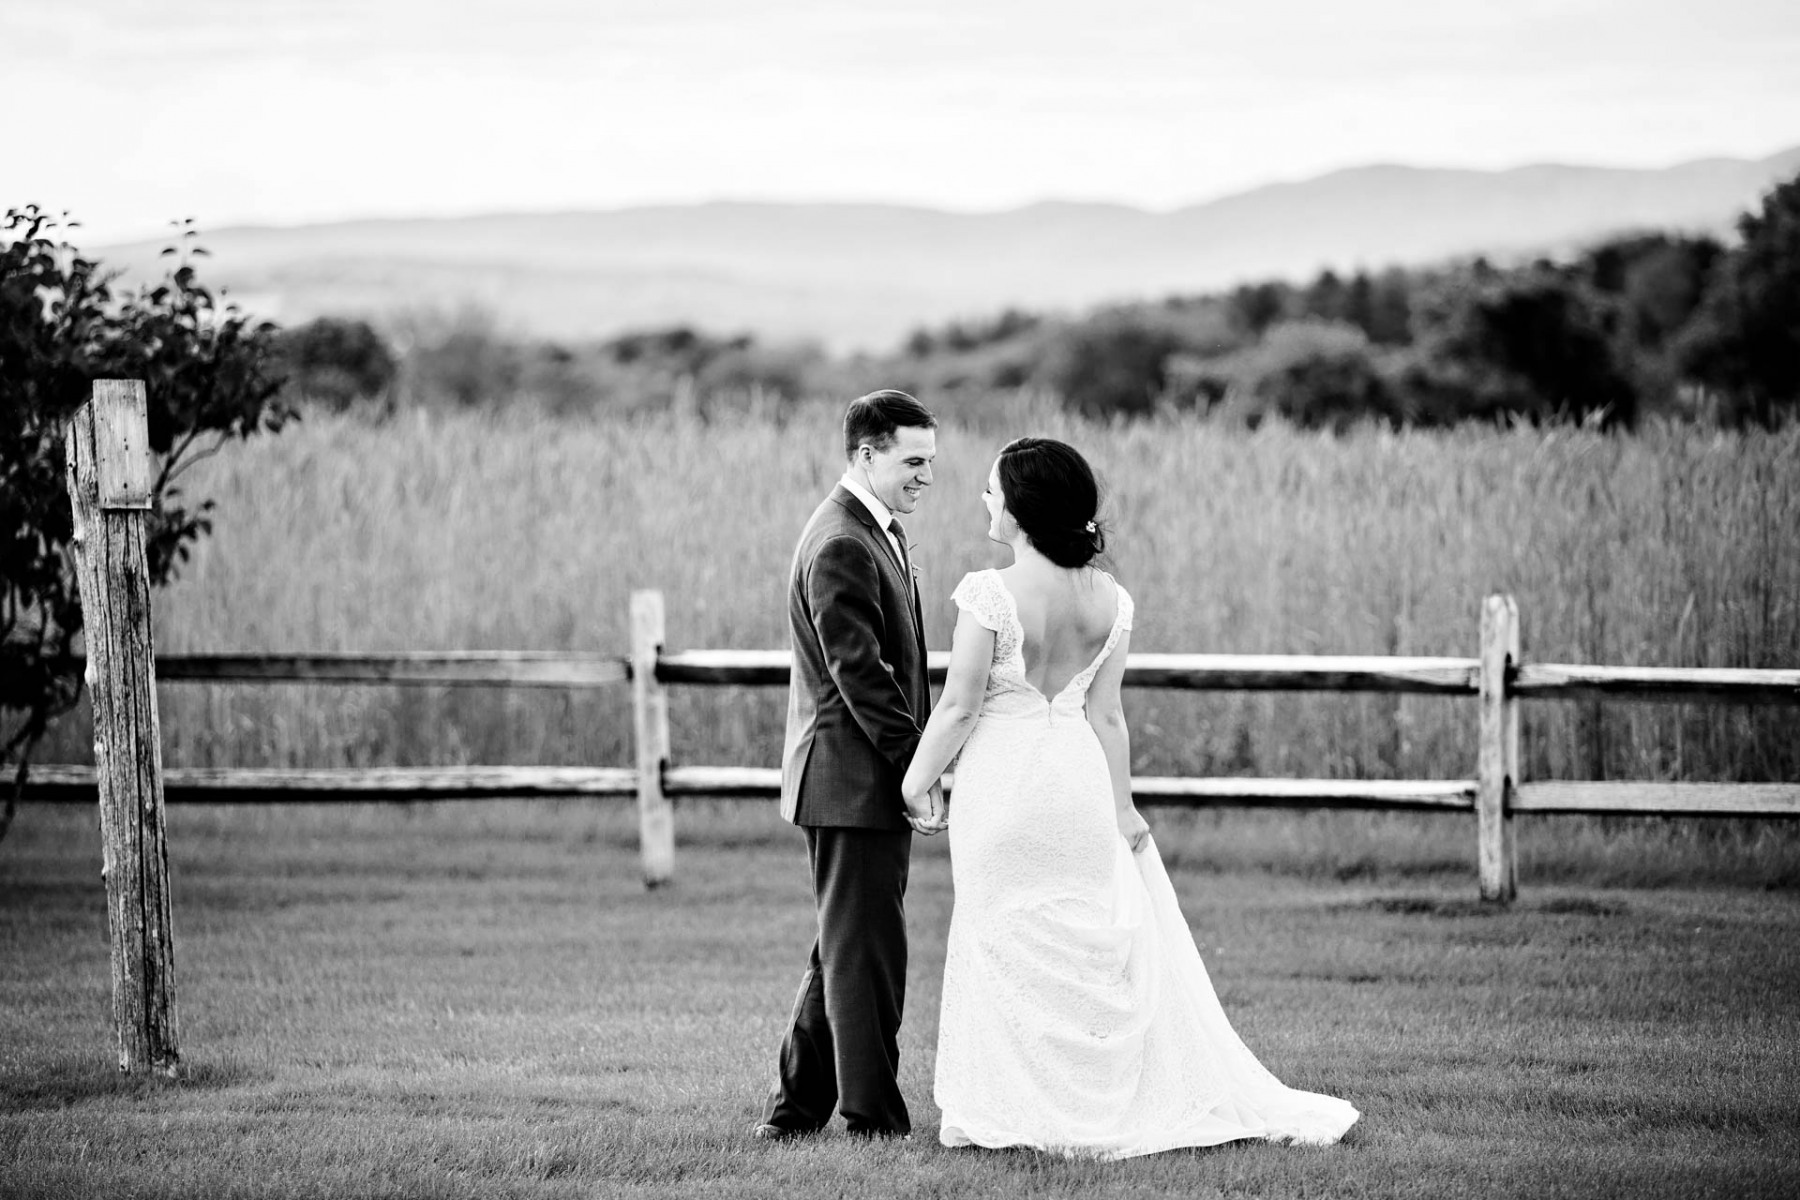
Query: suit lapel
point(860, 511)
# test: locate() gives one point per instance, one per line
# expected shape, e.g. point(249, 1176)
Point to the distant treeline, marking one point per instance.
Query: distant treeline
point(1641, 325)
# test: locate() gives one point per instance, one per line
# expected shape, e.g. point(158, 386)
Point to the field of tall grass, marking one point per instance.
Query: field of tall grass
point(1674, 546)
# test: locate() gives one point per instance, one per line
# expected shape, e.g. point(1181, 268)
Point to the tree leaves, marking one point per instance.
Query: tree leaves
point(210, 374)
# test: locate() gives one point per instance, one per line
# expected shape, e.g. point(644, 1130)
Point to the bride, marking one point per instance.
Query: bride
point(1077, 1016)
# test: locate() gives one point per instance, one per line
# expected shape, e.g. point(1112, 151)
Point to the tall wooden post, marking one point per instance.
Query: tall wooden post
point(109, 488)
point(650, 709)
point(1498, 769)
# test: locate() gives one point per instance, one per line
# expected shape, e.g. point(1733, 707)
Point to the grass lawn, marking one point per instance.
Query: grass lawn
point(482, 1001)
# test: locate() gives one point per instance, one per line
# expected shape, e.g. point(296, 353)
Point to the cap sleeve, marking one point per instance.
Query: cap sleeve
point(1123, 620)
point(979, 595)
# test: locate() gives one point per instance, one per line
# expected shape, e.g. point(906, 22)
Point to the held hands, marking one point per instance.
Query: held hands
point(1133, 828)
point(928, 813)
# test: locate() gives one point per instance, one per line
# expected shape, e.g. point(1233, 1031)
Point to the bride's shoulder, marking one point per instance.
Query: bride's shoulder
point(983, 595)
point(983, 580)
point(1123, 606)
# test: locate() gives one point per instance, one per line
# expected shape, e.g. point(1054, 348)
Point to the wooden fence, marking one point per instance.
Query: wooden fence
point(1497, 678)
point(109, 488)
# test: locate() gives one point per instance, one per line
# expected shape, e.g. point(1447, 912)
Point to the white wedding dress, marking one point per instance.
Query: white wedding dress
point(1077, 1016)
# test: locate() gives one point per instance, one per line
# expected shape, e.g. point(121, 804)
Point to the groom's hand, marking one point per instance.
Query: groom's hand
point(925, 825)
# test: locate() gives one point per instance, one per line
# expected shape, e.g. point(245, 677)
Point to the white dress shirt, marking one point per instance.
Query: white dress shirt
point(883, 515)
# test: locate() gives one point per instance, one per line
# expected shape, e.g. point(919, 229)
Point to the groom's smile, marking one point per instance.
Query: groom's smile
point(899, 474)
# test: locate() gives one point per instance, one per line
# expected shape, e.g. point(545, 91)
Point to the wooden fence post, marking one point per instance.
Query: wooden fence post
point(1498, 769)
point(650, 709)
point(109, 489)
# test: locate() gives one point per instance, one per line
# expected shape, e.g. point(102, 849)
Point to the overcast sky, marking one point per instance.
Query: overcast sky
point(130, 113)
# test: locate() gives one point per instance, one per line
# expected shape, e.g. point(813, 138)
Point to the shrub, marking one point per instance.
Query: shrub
point(1745, 340)
point(337, 361)
point(210, 375)
point(1313, 374)
point(786, 370)
point(1536, 343)
point(465, 362)
point(1114, 363)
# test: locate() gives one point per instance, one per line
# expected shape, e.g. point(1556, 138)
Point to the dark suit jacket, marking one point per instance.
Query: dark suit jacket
point(860, 693)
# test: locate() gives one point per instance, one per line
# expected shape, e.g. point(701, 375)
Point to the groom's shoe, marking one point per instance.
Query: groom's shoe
point(779, 1133)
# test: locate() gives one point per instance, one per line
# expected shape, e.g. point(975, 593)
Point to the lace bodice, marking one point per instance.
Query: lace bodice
point(1009, 693)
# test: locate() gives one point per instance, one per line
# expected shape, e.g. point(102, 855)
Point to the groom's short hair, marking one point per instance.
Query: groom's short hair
point(874, 418)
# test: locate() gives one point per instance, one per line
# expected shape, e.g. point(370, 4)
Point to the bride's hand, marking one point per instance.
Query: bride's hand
point(1133, 828)
point(926, 811)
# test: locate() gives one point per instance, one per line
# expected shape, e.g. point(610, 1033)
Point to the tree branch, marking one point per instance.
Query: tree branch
point(171, 472)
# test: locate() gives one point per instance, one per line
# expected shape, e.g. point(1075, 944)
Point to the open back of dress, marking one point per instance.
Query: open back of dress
point(1060, 636)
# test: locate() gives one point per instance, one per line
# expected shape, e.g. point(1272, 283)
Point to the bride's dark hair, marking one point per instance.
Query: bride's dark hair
point(1051, 492)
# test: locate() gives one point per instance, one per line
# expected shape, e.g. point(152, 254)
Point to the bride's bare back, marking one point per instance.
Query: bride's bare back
point(1067, 616)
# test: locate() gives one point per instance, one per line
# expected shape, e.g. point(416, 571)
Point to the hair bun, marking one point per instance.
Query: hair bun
point(1051, 492)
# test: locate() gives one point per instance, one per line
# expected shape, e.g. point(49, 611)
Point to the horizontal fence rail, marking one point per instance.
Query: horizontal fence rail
point(454, 668)
point(1191, 672)
point(1661, 799)
point(1718, 685)
point(1302, 673)
point(278, 785)
point(1194, 672)
point(1444, 794)
point(1329, 673)
point(1498, 679)
point(348, 785)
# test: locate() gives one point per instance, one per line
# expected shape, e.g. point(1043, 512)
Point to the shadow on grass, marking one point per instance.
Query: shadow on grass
point(64, 1084)
point(1424, 906)
point(1784, 879)
point(1458, 907)
point(1578, 906)
point(1076, 1168)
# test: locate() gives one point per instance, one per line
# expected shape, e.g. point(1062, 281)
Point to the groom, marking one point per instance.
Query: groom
point(857, 702)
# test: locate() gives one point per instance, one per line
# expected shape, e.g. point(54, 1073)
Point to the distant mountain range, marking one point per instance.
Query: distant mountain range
point(862, 275)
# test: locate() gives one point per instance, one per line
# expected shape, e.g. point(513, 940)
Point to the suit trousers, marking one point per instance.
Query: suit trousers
point(842, 1048)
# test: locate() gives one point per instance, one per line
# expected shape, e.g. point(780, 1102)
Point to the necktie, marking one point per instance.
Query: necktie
point(899, 532)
